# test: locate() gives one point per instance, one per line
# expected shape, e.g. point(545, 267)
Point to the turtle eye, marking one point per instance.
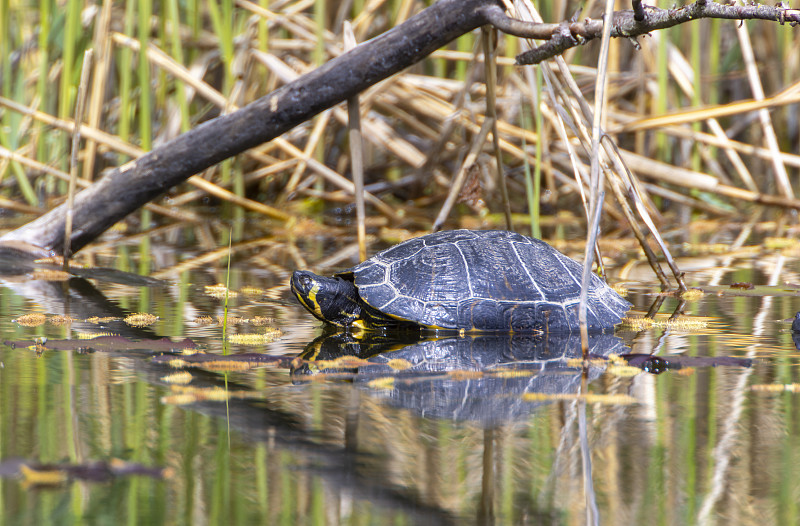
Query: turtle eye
point(306, 282)
point(302, 282)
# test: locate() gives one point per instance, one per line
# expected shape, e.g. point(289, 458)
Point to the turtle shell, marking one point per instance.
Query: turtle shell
point(490, 280)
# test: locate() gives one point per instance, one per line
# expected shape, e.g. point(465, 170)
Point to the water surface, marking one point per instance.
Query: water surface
point(448, 431)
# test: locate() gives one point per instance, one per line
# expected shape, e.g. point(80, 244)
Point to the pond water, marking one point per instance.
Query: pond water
point(450, 431)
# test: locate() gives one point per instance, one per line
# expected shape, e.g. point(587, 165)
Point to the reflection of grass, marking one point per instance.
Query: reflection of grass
point(225, 348)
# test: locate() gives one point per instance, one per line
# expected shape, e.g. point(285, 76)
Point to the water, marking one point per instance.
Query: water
point(438, 432)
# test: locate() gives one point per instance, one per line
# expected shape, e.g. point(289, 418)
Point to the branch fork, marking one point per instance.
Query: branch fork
point(641, 20)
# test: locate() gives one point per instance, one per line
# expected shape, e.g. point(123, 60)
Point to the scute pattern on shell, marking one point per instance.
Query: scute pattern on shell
point(483, 280)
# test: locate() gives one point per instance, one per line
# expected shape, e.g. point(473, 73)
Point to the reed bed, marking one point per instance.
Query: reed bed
point(704, 115)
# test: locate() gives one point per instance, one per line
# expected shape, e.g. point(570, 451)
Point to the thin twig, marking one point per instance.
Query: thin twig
point(597, 178)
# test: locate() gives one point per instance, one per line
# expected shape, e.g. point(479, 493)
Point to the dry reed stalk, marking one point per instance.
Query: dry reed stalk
point(36, 165)
point(760, 152)
point(419, 104)
point(697, 180)
point(102, 67)
point(682, 73)
point(463, 56)
point(266, 171)
point(356, 153)
point(215, 255)
point(375, 130)
point(688, 201)
point(363, 22)
point(442, 110)
point(80, 103)
point(461, 175)
point(344, 254)
point(779, 170)
point(490, 68)
point(611, 156)
point(106, 139)
point(21, 208)
point(123, 147)
point(226, 195)
point(712, 112)
point(178, 215)
point(221, 101)
point(320, 123)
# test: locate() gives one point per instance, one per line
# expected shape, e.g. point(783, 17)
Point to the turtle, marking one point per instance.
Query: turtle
point(461, 280)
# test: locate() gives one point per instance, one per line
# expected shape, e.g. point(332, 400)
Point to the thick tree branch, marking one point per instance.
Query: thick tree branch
point(565, 35)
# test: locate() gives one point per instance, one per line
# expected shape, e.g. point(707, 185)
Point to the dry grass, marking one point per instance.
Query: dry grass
point(681, 109)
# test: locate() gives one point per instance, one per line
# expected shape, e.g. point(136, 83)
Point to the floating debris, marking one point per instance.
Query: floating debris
point(386, 382)
point(251, 291)
point(620, 289)
point(94, 335)
point(623, 371)
point(51, 275)
point(776, 388)
point(33, 319)
point(706, 248)
point(342, 362)
point(692, 294)
point(399, 364)
point(464, 374)
point(190, 395)
point(43, 476)
point(98, 320)
point(37, 474)
point(258, 321)
point(744, 285)
point(179, 378)
point(58, 261)
point(613, 399)
point(612, 359)
point(140, 319)
point(684, 323)
point(511, 373)
point(590, 362)
point(230, 320)
point(215, 362)
point(628, 365)
point(255, 338)
point(219, 291)
point(780, 243)
point(61, 320)
point(105, 344)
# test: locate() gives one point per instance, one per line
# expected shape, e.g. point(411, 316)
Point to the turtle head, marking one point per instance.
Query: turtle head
point(332, 300)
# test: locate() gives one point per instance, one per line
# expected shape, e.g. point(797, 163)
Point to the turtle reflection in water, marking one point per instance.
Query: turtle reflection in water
point(480, 378)
point(478, 281)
